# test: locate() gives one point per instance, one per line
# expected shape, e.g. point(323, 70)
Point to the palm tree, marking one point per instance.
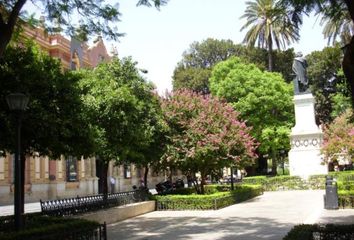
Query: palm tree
point(337, 25)
point(269, 22)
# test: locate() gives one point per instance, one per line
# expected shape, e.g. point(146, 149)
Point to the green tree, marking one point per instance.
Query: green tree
point(119, 107)
point(53, 124)
point(194, 70)
point(340, 99)
point(148, 152)
point(339, 138)
point(339, 25)
point(269, 23)
point(205, 135)
point(54, 119)
point(95, 17)
point(322, 73)
point(275, 141)
point(331, 9)
point(194, 78)
point(263, 99)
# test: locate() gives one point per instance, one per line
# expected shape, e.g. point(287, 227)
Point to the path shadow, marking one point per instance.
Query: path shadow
point(199, 228)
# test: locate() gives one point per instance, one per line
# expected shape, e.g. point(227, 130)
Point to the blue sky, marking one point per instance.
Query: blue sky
point(157, 39)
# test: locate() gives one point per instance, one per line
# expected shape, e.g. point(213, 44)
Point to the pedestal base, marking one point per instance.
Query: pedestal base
point(306, 139)
point(305, 158)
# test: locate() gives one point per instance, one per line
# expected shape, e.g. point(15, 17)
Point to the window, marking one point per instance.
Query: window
point(101, 58)
point(127, 169)
point(71, 169)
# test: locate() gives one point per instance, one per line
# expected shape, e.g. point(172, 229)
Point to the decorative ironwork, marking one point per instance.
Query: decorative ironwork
point(80, 205)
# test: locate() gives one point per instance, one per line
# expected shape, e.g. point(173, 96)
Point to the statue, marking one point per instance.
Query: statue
point(299, 67)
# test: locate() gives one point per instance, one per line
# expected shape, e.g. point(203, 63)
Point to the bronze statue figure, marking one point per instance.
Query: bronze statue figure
point(299, 67)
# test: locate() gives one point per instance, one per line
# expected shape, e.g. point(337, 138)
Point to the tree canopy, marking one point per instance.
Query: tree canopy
point(121, 109)
point(323, 74)
point(263, 99)
point(339, 138)
point(331, 10)
point(268, 24)
point(194, 70)
point(94, 17)
point(54, 122)
point(206, 135)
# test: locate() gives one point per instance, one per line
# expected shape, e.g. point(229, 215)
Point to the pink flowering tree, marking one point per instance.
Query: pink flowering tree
point(339, 138)
point(205, 136)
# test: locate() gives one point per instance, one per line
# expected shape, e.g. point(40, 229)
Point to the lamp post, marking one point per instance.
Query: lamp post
point(17, 103)
point(232, 179)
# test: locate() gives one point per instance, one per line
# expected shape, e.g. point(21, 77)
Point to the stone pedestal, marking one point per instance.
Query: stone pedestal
point(306, 139)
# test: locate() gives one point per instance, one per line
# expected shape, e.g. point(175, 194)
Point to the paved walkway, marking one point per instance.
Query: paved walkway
point(29, 208)
point(267, 217)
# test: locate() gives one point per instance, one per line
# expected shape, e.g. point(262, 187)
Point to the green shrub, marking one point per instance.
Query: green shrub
point(312, 232)
point(317, 181)
point(184, 191)
point(277, 183)
point(43, 227)
point(345, 181)
point(214, 188)
point(303, 232)
point(343, 175)
point(208, 201)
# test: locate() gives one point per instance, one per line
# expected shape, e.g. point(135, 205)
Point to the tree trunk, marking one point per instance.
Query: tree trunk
point(7, 28)
point(202, 183)
point(270, 53)
point(232, 178)
point(4, 41)
point(146, 176)
point(348, 60)
point(23, 173)
point(103, 181)
point(274, 163)
point(196, 184)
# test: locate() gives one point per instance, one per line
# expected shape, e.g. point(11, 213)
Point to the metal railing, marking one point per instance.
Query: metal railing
point(80, 205)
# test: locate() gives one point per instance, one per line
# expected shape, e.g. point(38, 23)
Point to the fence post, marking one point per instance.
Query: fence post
point(215, 205)
point(104, 231)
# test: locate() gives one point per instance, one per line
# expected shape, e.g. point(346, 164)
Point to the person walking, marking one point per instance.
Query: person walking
point(113, 184)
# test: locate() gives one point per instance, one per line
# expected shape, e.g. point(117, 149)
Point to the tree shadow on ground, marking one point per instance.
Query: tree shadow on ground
point(336, 217)
point(199, 228)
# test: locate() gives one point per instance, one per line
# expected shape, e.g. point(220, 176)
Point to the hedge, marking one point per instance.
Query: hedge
point(321, 232)
point(214, 201)
point(44, 227)
point(345, 181)
point(278, 182)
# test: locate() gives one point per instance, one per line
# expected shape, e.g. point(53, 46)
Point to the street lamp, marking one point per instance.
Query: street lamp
point(17, 103)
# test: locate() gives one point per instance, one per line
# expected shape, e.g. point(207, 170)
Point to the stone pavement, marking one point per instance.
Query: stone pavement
point(267, 217)
point(29, 208)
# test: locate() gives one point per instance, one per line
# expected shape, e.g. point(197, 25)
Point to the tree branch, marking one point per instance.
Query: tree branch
point(2, 23)
point(14, 14)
